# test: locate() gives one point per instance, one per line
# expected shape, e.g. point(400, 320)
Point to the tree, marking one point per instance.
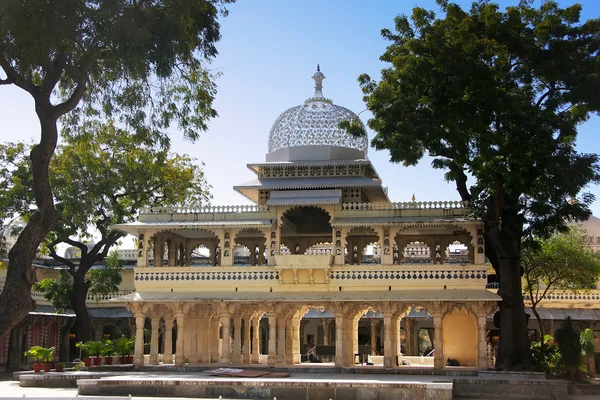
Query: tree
point(100, 281)
point(561, 262)
point(496, 97)
point(141, 63)
point(102, 177)
point(567, 337)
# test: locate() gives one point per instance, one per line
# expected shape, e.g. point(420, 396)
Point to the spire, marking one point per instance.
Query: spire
point(318, 77)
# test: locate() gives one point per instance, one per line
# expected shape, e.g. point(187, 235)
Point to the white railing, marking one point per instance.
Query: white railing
point(569, 296)
point(204, 209)
point(408, 205)
point(103, 297)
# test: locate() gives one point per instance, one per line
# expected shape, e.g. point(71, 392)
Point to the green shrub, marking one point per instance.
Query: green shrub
point(546, 356)
point(569, 346)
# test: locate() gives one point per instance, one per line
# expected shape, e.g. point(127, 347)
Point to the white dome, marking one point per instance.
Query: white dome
point(314, 123)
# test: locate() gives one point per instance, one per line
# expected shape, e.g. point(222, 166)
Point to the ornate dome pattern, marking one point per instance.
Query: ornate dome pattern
point(314, 123)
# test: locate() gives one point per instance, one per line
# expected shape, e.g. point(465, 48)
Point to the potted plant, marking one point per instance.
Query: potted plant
point(108, 350)
point(34, 354)
point(60, 367)
point(46, 355)
point(85, 348)
point(95, 348)
point(123, 348)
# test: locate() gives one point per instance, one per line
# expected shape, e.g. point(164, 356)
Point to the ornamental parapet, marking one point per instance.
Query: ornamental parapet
point(322, 277)
point(191, 209)
point(560, 298)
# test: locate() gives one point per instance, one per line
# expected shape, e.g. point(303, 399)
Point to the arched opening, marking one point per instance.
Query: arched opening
point(361, 244)
point(250, 246)
point(458, 253)
point(203, 249)
point(460, 338)
point(416, 252)
point(305, 226)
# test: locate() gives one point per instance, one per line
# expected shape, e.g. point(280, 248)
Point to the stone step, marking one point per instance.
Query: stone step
point(498, 396)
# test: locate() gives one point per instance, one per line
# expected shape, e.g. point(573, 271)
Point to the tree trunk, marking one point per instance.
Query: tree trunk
point(83, 321)
point(539, 320)
point(503, 251)
point(15, 299)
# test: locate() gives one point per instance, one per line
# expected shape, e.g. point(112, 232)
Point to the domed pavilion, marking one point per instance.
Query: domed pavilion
point(323, 265)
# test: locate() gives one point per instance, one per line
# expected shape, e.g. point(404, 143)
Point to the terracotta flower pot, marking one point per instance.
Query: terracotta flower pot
point(124, 359)
point(108, 360)
point(87, 361)
point(37, 367)
point(47, 367)
point(97, 361)
point(59, 368)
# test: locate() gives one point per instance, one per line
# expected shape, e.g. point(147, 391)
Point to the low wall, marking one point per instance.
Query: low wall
point(265, 389)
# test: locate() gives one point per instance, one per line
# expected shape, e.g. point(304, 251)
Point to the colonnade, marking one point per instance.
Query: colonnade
point(229, 333)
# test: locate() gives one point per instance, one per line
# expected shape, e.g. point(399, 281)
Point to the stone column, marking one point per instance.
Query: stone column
point(373, 337)
point(225, 350)
point(168, 352)
point(158, 249)
point(281, 343)
point(237, 339)
point(409, 326)
point(155, 323)
point(172, 252)
point(255, 358)
point(289, 342)
point(179, 356)
point(388, 346)
point(205, 327)
point(247, 341)
point(339, 341)
point(194, 336)
point(482, 359)
point(438, 355)
point(302, 335)
point(326, 325)
point(272, 339)
point(138, 359)
point(397, 337)
point(296, 356)
point(215, 343)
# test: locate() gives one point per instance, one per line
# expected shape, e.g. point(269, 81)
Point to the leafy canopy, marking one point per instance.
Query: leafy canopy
point(497, 95)
point(103, 280)
point(138, 62)
point(561, 262)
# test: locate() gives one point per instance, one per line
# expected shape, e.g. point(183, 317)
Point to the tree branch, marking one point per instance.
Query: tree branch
point(71, 102)
point(67, 262)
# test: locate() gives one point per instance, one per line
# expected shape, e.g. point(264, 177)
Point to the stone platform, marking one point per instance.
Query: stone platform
point(301, 386)
point(58, 379)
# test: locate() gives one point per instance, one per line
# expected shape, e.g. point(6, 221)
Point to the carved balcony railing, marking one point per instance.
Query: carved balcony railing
point(407, 205)
point(204, 209)
point(566, 296)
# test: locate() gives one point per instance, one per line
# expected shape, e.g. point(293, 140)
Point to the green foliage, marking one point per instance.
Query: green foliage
point(586, 340)
point(108, 348)
point(57, 291)
point(106, 280)
point(497, 96)
point(546, 356)
point(124, 346)
point(569, 346)
point(92, 347)
point(142, 63)
point(40, 354)
point(561, 262)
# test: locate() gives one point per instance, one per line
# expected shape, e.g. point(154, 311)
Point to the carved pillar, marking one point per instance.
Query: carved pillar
point(289, 342)
point(158, 249)
point(373, 337)
point(172, 252)
point(396, 320)
point(237, 339)
point(281, 340)
point(302, 335)
point(206, 331)
point(194, 337)
point(255, 340)
point(168, 352)
point(215, 340)
point(438, 355)
point(296, 356)
point(339, 339)
point(326, 325)
point(272, 339)
point(408, 328)
point(138, 359)
point(247, 340)
point(188, 253)
point(155, 323)
point(388, 346)
point(179, 355)
point(225, 350)
point(482, 359)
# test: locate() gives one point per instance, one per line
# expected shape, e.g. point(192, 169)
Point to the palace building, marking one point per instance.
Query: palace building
point(331, 267)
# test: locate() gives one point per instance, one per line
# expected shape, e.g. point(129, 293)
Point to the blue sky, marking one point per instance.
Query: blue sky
point(267, 55)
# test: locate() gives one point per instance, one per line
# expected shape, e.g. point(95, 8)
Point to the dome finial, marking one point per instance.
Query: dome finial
point(318, 77)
